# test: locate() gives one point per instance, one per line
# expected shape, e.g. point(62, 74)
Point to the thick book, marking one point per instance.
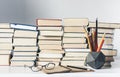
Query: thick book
point(6, 35)
point(109, 52)
point(72, 54)
point(5, 40)
point(49, 38)
point(24, 42)
point(52, 51)
point(5, 60)
point(23, 26)
point(74, 29)
point(49, 22)
point(42, 28)
point(50, 55)
point(74, 34)
point(6, 30)
point(4, 25)
point(74, 40)
point(26, 48)
point(75, 21)
point(49, 42)
point(102, 30)
point(54, 47)
point(51, 33)
point(66, 58)
point(25, 33)
point(21, 63)
point(75, 46)
point(77, 50)
point(6, 46)
point(104, 25)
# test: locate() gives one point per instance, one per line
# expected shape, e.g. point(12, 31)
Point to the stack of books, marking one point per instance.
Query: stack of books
point(25, 45)
point(75, 42)
point(107, 47)
point(50, 41)
point(6, 34)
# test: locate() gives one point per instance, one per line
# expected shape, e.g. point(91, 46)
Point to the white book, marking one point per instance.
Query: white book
point(68, 54)
point(74, 35)
point(3, 52)
point(25, 33)
point(23, 58)
point(50, 55)
point(77, 50)
point(22, 63)
point(6, 35)
point(23, 26)
point(24, 42)
point(5, 40)
point(46, 62)
point(6, 30)
point(4, 25)
point(50, 28)
point(51, 33)
point(25, 48)
point(6, 46)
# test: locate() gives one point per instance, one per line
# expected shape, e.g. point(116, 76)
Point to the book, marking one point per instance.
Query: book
point(26, 48)
point(4, 25)
point(49, 38)
point(105, 25)
point(5, 52)
point(109, 46)
point(42, 28)
point(52, 51)
point(43, 47)
point(102, 30)
point(73, 63)
point(75, 21)
point(75, 46)
point(106, 35)
point(66, 58)
point(49, 59)
point(109, 59)
point(24, 53)
point(74, 40)
point(72, 54)
point(49, 42)
point(22, 63)
point(5, 40)
point(51, 33)
point(49, 22)
point(109, 52)
point(23, 26)
point(6, 35)
point(73, 29)
point(24, 42)
point(6, 46)
point(25, 33)
point(107, 40)
point(2, 30)
point(16, 58)
point(5, 60)
point(50, 55)
point(74, 35)
point(77, 50)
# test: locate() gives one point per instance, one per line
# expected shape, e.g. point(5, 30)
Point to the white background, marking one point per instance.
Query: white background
point(27, 11)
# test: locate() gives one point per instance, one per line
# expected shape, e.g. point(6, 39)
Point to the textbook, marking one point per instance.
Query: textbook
point(49, 22)
point(23, 26)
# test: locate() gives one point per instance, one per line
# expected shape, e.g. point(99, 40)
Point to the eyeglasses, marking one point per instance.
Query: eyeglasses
point(48, 66)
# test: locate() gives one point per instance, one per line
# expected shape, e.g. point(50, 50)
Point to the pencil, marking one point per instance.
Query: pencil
point(101, 43)
point(88, 39)
point(96, 36)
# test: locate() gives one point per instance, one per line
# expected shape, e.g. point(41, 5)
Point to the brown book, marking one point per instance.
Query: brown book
point(49, 22)
point(74, 29)
point(75, 46)
point(74, 40)
point(75, 21)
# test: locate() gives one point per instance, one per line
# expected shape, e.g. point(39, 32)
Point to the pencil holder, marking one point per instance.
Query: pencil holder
point(95, 59)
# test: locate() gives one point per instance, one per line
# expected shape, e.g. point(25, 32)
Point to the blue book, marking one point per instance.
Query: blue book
point(23, 26)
